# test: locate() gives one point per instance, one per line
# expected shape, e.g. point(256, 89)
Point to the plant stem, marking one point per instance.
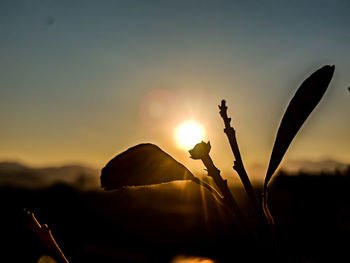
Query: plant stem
point(238, 163)
point(264, 216)
point(227, 199)
point(44, 234)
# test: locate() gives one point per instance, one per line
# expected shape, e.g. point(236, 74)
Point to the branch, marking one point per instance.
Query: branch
point(268, 235)
point(44, 234)
point(217, 196)
point(238, 163)
point(201, 151)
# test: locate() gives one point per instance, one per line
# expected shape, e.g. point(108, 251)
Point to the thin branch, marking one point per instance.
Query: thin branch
point(201, 151)
point(217, 196)
point(238, 163)
point(228, 199)
point(44, 234)
point(262, 211)
point(221, 201)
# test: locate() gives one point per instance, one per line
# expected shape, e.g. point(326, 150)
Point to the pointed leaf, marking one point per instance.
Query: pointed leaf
point(302, 104)
point(143, 164)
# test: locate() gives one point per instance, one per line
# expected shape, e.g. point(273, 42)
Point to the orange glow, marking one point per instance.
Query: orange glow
point(189, 259)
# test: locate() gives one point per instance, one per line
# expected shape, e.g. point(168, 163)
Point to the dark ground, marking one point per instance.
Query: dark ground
point(154, 224)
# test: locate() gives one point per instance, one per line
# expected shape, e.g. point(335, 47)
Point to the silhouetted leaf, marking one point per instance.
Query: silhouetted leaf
point(143, 164)
point(302, 104)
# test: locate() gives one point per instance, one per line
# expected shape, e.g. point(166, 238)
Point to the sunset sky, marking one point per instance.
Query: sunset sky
point(83, 80)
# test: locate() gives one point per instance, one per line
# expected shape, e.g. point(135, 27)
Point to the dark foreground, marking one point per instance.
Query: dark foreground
point(155, 224)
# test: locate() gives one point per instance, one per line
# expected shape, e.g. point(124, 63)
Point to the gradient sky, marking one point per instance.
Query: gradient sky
point(83, 80)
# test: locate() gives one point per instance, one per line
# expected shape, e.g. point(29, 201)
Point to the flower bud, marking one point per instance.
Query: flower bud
point(200, 150)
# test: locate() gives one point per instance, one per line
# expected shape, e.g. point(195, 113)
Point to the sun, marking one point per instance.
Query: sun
point(188, 134)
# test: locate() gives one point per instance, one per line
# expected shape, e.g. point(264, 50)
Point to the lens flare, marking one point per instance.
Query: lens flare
point(188, 134)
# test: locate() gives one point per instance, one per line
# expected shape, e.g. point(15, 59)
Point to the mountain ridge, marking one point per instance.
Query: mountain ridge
point(18, 174)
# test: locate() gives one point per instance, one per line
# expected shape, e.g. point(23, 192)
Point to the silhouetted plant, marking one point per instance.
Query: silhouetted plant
point(44, 234)
point(147, 164)
point(302, 104)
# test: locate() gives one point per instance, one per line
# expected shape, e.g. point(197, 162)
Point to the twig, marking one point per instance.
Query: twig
point(44, 234)
point(238, 163)
point(261, 210)
point(218, 197)
point(201, 151)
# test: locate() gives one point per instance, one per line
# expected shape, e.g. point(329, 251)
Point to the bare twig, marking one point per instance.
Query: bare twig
point(44, 234)
point(217, 195)
point(201, 151)
point(268, 234)
point(238, 163)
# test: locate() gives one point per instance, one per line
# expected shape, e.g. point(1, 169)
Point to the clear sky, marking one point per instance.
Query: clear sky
point(83, 80)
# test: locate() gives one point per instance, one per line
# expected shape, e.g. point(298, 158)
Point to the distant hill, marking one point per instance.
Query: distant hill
point(84, 177)
point(257, 171)
point(314, 166)
point(17, 174)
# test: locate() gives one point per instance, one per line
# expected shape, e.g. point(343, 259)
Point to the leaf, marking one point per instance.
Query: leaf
point(302, 104)
point(143, 164)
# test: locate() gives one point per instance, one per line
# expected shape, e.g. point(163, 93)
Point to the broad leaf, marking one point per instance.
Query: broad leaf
point(302, 104)
point(143, 164)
